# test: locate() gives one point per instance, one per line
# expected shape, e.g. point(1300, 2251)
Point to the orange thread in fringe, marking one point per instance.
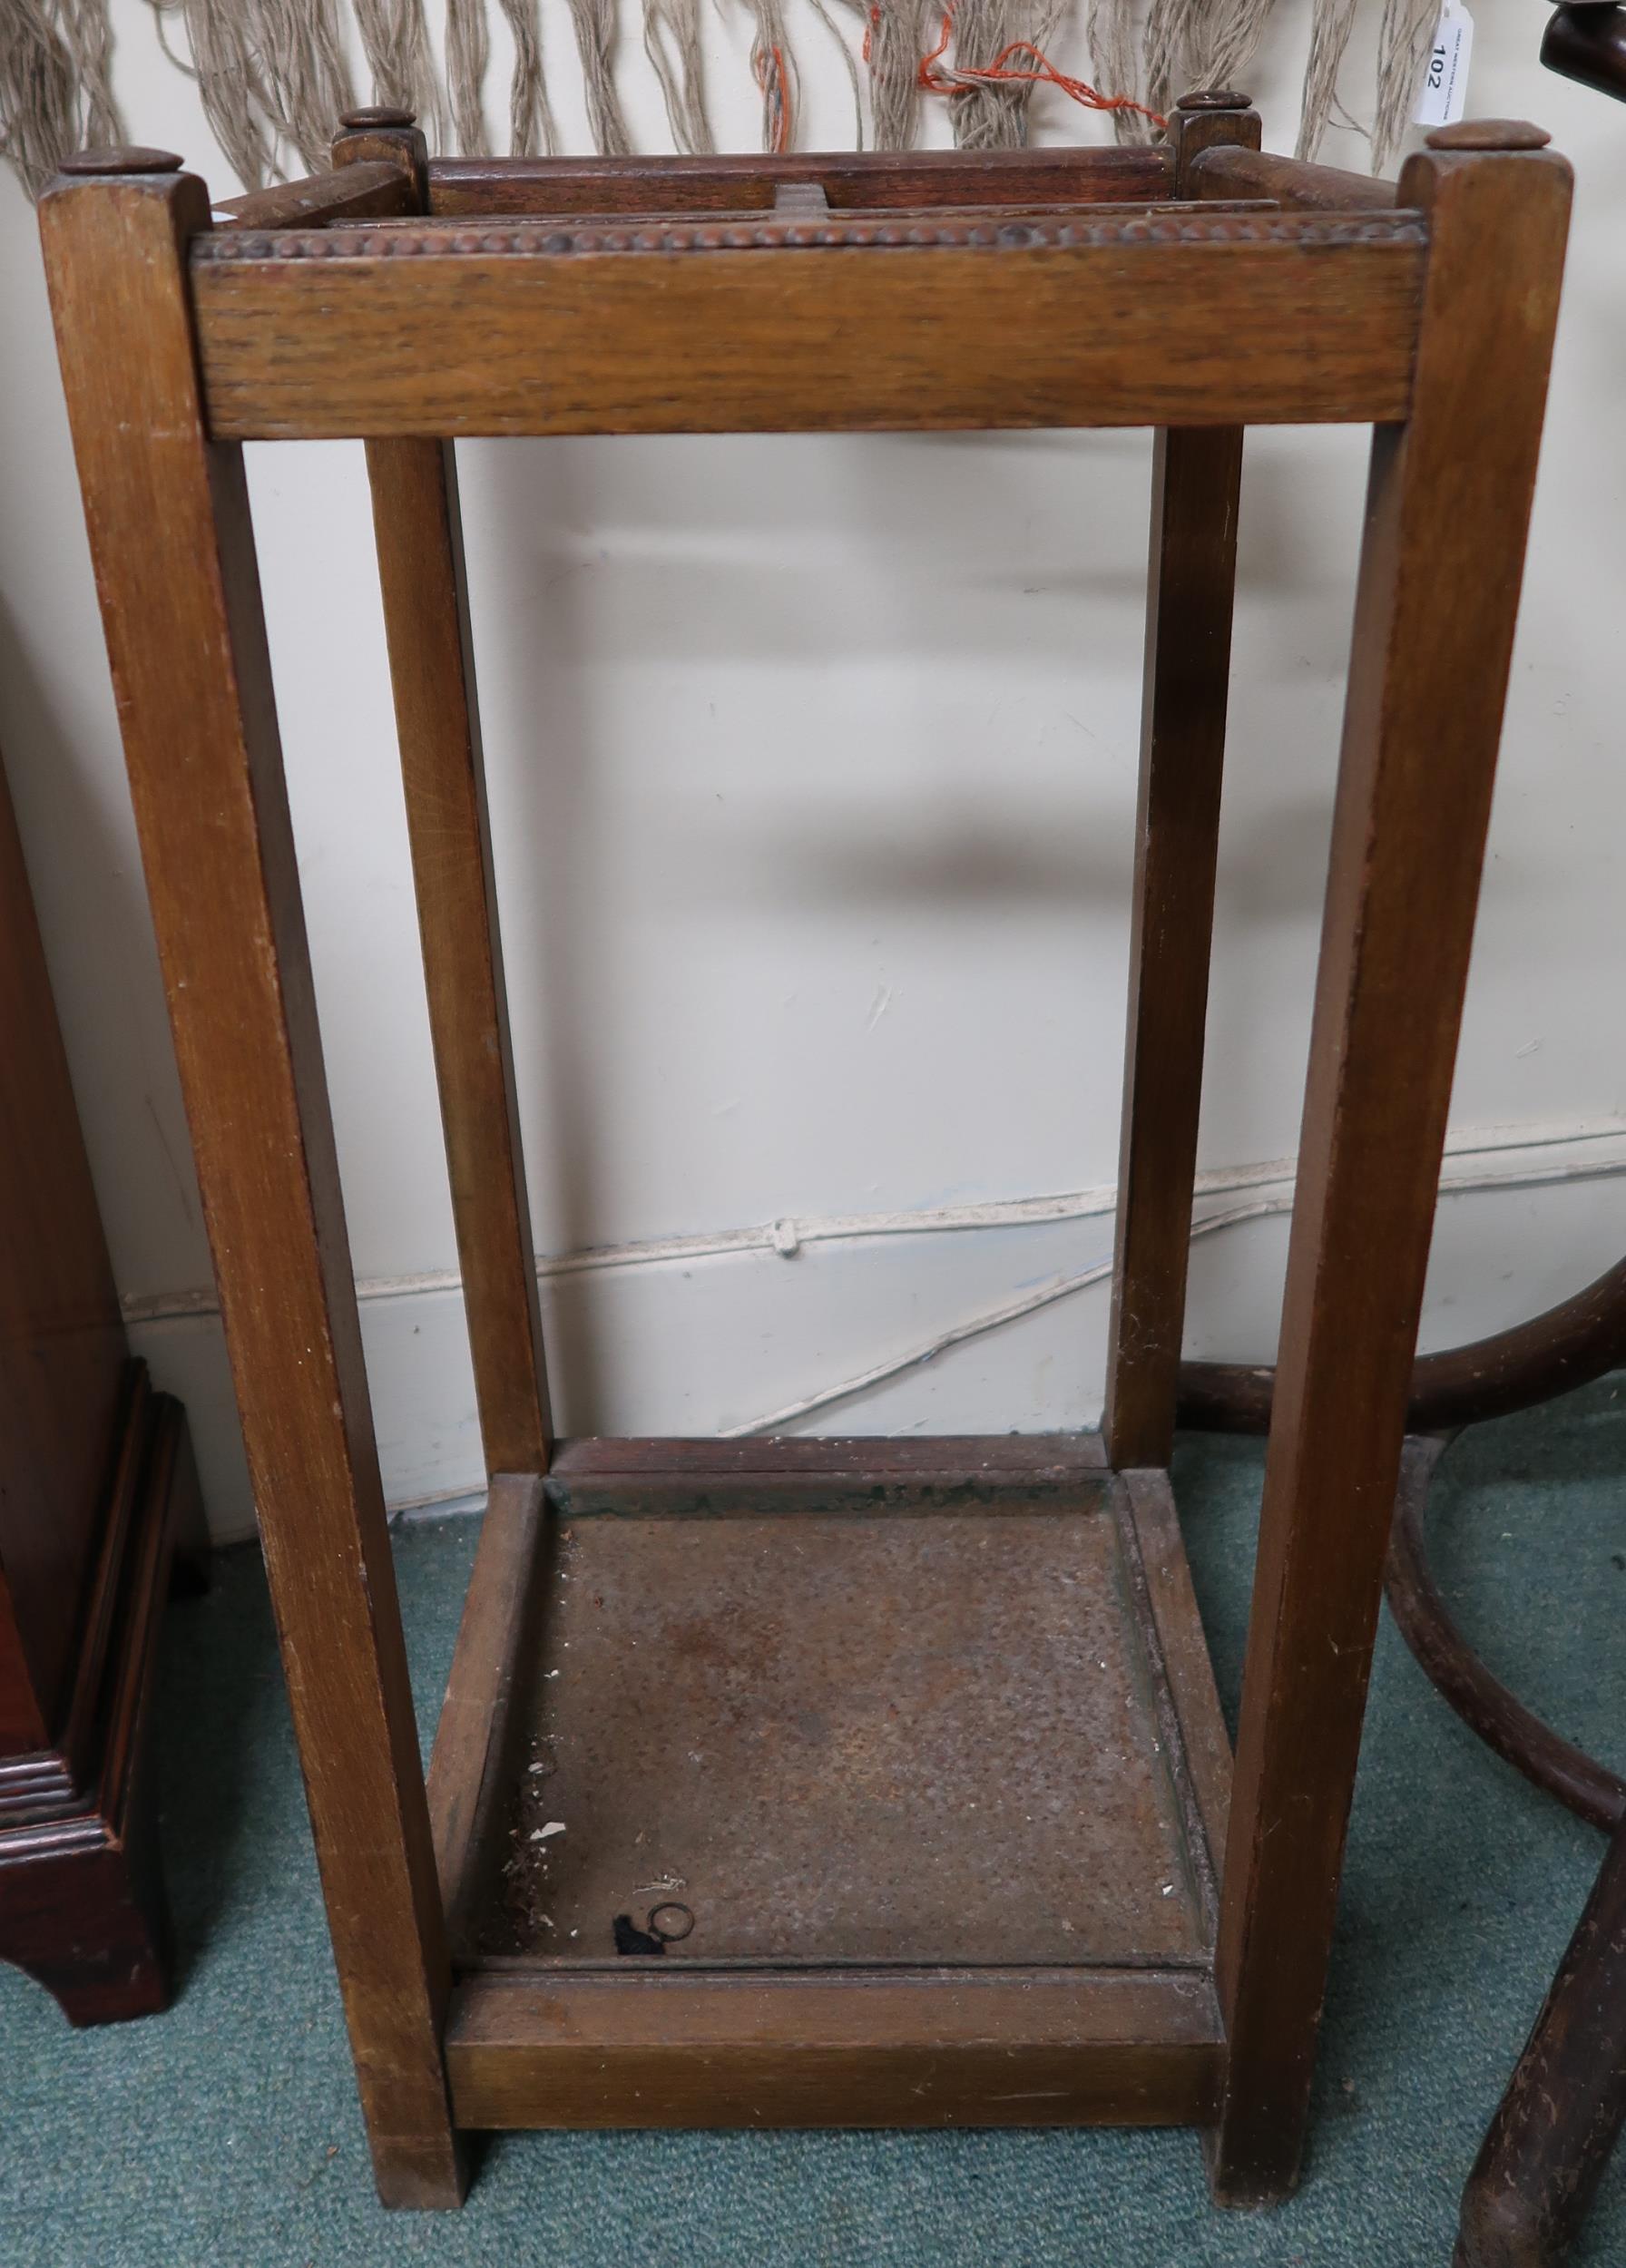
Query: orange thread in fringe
point(768, 66)
point(1041, 73)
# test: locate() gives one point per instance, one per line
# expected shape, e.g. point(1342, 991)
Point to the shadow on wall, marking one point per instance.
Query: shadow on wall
point(771, 735)
point(780, 730)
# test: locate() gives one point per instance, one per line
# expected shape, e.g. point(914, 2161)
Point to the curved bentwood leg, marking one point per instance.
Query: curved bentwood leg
point(1450, 490)
point(1546, 2148)
point(167, 517)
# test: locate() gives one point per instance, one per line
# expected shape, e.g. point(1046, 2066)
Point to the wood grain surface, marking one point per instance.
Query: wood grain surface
point(1450, 493)
point(748, 183)
point(1137, 2048)
point(167, 519)
point(1214, 327)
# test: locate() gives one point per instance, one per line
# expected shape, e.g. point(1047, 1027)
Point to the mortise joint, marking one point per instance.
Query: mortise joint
point(804, 200)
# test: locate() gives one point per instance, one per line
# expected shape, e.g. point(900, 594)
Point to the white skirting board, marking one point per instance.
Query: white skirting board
point(709, 1345)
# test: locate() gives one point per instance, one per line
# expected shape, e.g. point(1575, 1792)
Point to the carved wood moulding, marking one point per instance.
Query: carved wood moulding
point(531, 238)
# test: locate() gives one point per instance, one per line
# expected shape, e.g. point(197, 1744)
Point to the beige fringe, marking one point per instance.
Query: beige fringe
point(40, 106)
point(273, 77)
point(896, 30)
point(595, 27)
point(1115, 62)
point(468, 51)
point(305, 72)
point(531, 123)
point(1186, 44)
point(237, 100)
point(89, 37)
point(1330, 27)
point(1404, 39)
point(671, 40)
point(1223, 41)
point(395, 39)
point(995, 117)
point(833, 29)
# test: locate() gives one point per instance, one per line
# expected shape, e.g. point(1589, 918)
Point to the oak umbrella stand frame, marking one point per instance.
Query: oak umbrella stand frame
point(770, 1686)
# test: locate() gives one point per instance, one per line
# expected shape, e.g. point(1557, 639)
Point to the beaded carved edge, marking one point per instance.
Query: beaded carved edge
point(535, 236)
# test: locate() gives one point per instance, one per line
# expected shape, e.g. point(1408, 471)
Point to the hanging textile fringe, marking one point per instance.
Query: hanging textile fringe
point(1110, 29)
point(1183, 44)
point(301, 56)
point(671, 40)
point(236, 100)
point(848, 63)
point(273, 75)
point(1330, 27)
point(1020, 65)
point(773, 68)
point(90, 45)
point(1152, 48)
point(1221, 40)
point(986, 108)
point(893, 41)
point(596, 28)
point(1404, 39)
point(468, 51)
point(1163, 47)
point(531, 127)
point(270, 74)
point(44, 108)
point(395, 39)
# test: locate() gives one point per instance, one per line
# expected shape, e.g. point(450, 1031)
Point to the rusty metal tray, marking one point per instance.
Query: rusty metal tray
point(939, 1734)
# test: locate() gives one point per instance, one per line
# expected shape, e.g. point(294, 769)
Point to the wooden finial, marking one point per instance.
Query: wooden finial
point(1214, 98)
point(121, 158)
point(379, 114)
point(1490, 133)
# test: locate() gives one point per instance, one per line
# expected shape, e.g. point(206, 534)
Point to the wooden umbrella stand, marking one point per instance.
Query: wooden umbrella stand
point(812, 1782)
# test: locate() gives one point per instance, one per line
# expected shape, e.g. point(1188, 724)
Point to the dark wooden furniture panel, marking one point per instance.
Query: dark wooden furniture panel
point(95, 1483)
point(62, 1385)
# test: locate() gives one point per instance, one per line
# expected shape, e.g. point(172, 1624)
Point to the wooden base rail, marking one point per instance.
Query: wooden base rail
point(821, 1781)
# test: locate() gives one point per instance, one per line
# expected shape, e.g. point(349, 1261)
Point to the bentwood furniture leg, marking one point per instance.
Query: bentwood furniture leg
point(1432, 643)
point(167, 517)
point(1546, 2148)
point(1196, 477)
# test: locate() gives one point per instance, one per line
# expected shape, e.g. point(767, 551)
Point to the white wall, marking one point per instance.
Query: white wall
point(812, 767)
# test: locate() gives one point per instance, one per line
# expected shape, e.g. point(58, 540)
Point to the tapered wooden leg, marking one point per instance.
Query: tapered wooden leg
point(1190, 591)
point(431, 659)
point(443, 771)
point(1446, 517)
point(1196, 476)
point(173, 552)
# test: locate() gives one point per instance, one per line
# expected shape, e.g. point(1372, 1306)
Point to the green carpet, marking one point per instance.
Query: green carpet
point(226, 2134)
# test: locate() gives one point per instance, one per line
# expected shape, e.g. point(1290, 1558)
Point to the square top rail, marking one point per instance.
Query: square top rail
point(868, 292)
